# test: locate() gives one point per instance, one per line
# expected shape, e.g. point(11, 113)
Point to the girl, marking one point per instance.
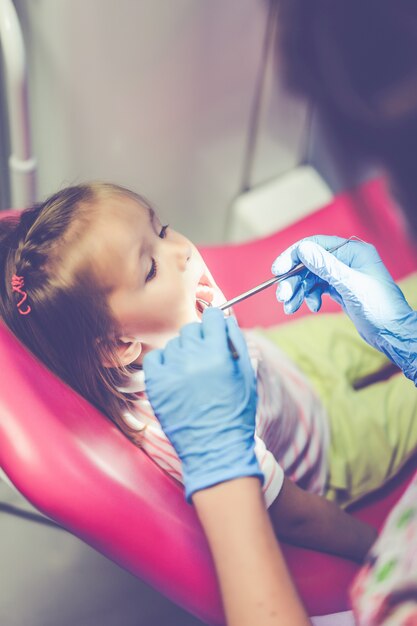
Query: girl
point(93, 281)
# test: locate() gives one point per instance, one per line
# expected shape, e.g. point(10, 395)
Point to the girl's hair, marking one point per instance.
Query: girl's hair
point(70, 326)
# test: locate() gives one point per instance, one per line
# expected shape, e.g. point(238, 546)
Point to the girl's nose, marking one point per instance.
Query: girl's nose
point(181, 252)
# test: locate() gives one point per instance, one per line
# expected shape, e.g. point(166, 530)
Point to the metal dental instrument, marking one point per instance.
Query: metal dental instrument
point(276, 279)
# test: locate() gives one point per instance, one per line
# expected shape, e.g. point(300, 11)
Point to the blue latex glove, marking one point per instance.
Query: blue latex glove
point(357, 279)
point(206, 401)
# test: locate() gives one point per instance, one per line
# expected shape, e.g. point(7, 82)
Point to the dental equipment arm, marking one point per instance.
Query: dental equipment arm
point(356, 278)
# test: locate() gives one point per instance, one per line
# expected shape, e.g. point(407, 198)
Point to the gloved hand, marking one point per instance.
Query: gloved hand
point(206, 401)
point(357, 279)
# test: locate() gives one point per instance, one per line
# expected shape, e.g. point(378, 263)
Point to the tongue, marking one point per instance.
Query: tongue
point(201, 304)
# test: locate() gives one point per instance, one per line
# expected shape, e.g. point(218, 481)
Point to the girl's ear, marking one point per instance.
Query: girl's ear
point(128, 350)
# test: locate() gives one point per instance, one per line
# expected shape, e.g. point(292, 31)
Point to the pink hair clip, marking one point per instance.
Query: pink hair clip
point(17, 285)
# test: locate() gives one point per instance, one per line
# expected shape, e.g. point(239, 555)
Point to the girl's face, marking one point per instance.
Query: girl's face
point(155, 274)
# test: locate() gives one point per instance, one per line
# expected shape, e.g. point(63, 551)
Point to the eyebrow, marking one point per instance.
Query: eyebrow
point(151, 214)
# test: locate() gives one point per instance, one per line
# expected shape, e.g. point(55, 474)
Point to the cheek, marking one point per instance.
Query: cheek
point(177, 309)
point(165, 325)
point(166, 312)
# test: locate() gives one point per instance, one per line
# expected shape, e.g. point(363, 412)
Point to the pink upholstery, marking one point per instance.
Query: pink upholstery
point(81, 471)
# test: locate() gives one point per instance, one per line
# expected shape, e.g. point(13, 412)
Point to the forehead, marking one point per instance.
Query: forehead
point(119, 217)
point(118, 231)
point(120, 208)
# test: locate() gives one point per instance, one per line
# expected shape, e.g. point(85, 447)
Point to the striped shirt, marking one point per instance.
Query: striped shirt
point(291, 425)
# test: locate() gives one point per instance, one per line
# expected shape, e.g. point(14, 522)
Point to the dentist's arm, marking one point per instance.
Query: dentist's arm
point(206, 403)
point(256, 587)
point(357, 279)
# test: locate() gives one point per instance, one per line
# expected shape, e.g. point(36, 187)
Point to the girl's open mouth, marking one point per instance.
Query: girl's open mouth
point(200, 305)
point(204, 295)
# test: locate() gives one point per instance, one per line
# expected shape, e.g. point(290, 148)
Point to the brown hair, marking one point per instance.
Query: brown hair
point(70, 326)
point(357, 60)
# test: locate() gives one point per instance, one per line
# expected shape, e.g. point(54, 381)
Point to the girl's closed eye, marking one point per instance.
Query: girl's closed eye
point(163, 232)
point(154, 266)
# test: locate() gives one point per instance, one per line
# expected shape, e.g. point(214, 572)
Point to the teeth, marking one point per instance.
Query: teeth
point(204, 296)
point(204, 293)
point(204, 289)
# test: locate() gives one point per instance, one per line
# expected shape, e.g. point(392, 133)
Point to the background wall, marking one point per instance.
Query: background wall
point(156, 95)
point(4, 148)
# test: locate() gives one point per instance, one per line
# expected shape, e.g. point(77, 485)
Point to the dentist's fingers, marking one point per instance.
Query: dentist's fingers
point(286, 260)
point(190, 334)
point(172, 351)
point(314, 300)
point(236, 337)
point(214, 326)
point(314, 288)
point(291, 257)
point(153, 360)
point(288, 287)
point(294, 303)
point(323, 264)
point(306, 286)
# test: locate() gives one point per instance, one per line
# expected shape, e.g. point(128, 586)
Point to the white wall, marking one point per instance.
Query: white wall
point(155, 95)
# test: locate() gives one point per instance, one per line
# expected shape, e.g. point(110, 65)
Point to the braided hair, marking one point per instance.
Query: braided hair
point(70, 327)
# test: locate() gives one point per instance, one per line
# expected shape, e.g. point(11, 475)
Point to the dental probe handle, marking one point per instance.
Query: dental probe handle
point(254, 290)
point(272, 281)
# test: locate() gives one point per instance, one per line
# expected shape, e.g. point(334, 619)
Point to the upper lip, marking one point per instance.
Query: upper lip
point(207, 293)
point(205, 281)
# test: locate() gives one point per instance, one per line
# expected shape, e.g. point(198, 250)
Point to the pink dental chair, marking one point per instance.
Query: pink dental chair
point(78, 469)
